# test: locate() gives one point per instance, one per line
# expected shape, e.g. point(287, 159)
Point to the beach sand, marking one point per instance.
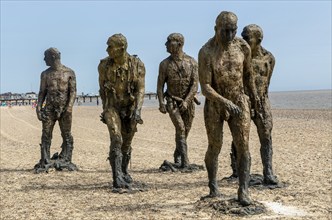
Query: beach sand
point(302, 141)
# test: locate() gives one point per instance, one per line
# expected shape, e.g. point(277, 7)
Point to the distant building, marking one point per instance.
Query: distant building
point(9, 96)
point(30, 95)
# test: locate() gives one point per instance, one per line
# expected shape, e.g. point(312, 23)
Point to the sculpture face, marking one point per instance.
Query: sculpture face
point(115, 50)
point(226, 31)
point(49, 59)
point(251, 39)
point(173, 46)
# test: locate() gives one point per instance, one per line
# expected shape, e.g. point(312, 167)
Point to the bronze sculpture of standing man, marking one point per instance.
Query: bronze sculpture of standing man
point(58, 89)
point(262, 63)
point(224, 61)
point(122, 83)
point(180, 73)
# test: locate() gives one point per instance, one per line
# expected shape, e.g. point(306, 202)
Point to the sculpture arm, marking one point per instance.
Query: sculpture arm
point(42, 91)
point(272, 64)
point(102, 92)
point(205, 78)
point(249, 77)
point(72, 91)
point(140, 90)
point(193, 84)
point(161, 83)
point(41, 96)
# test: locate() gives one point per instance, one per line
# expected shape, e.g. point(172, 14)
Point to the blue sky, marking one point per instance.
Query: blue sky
point(298, 33)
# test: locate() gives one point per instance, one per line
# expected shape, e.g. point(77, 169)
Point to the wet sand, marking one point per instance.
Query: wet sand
point(302, 141)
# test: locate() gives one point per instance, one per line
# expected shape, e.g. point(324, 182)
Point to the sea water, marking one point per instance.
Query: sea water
point(313, 99)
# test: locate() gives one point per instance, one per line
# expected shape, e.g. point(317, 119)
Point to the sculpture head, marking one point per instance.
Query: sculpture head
point(52, 56)
point(253, 34)
point(117, 46)
point(226, 27)
point(174, 43)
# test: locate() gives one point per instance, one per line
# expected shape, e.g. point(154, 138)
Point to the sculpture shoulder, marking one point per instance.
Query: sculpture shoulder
point(269, 55)
point(68, 71)
point(190, 59)
point(45, 73)
point(164, 64)
point(243, 45)
point(103, 64)
point(135, 60)
point(207, 48)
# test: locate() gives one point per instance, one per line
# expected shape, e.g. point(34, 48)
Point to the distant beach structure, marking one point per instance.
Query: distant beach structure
point(309, 99)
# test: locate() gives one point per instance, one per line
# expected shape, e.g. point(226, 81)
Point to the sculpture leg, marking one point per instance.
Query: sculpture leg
point(187, 118)
point(240, 128)
point(180, 137)
point(128, 132)
point(113, 122)
point(244, 178)
point(176, 154)
point(68, 142)
point(214, 129)
point(115, 158)
point(266, 155)
point(125, 162)
point(183, 151)
point(233, 156)
point(264, 124)
point(46, 139)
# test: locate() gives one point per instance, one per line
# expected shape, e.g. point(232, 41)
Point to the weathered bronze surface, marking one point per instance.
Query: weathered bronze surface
point(121, 81)
point(224, 63)
point(58, 90)
point(179, 72)
point(263, 63)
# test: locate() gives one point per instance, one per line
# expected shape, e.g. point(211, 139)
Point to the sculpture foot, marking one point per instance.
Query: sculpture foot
point(42, 168)
point(120, 183)
point(127, 178)
point(62, 164)
point(270, 180)
point(72, 167)
point(244, 198)
point(214, 192)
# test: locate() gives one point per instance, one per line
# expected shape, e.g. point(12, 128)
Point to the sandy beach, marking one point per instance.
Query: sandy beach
point(302, 159)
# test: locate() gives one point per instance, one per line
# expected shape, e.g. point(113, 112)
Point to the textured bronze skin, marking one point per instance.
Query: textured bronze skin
point(58, 89)
point(179, 72)
point(122, 83)
point(263, 63)
point(224, 63)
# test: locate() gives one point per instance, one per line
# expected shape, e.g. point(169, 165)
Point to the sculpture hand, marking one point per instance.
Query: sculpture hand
point(162, 108)
point(102, 117)
point(69, 109)
point(183, 106)
point(39, 115)
point(233, 109)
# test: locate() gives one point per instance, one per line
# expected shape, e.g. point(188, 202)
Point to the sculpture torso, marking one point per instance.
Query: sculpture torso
point(57, 85)
point(118, 81)
point(179, 75)
point(262, 68)
point(227, 69)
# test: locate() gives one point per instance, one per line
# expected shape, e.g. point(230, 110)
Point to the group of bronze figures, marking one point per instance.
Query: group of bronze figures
point(234, 75)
